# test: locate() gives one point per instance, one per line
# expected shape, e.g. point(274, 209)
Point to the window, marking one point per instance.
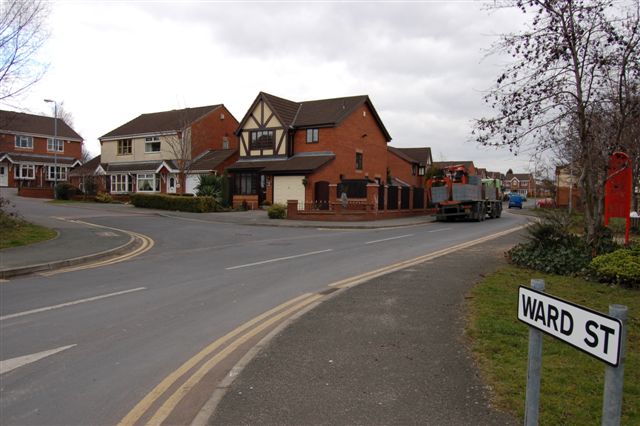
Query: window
point(24, 142)
point(312, 135)
point(24, 171)
point(414, 169)
point(245, 184)
point(120, 183)
point(358, 161)
point(152, 144)
point(262, 139)
point(225, 143)
point(55, 145)
point(56, 173)
point(421, 170)
point(148, 183)
point(125, 147)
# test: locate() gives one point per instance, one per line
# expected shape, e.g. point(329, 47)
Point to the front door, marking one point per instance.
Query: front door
point(321, 195)
point(4, 175)
point(171, 186)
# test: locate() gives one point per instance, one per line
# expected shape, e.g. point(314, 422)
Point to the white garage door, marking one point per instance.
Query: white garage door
point(192, 182)
point(288, 188)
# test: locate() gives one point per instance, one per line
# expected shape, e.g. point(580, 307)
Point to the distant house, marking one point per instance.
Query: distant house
point(30, 154)
point(165, 151)
point(567, 186)
point(409, 165)
point(93, 170)
point(521, 183)
point(482, 172)
point(304, 150)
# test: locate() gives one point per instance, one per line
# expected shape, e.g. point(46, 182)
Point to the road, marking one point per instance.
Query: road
point(85, 347)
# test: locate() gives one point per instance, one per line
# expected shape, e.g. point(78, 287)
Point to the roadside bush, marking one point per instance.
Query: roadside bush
point(619, 267)
point(277, 211)
point(209, 186)
point(167, 202)
point(65, 191)
point(103, 197)
point(551, 247)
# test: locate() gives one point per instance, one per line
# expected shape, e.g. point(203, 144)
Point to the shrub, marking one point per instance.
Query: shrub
point(103, 197)
point(225, 192)
point(65, 191)
point(619, 267)
point(167, 202)
point(209, 186)
point(277, 211)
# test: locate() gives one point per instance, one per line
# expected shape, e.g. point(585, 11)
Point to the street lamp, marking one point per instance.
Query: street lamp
point(55, 145)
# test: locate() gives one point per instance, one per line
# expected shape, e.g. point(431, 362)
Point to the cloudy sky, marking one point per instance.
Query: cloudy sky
point(423, 64)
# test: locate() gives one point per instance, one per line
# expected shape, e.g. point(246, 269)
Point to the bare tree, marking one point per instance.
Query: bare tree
point(22, 34)
point(574, 74)
point(179, 145)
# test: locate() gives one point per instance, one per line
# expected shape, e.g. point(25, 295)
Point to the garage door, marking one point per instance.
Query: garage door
point(192, 182)
point(288, 188)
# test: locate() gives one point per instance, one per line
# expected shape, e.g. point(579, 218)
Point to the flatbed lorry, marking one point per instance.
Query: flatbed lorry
point(456, 195)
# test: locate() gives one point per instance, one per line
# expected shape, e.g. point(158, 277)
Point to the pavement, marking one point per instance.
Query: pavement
point(389, 351)
point(79, 243)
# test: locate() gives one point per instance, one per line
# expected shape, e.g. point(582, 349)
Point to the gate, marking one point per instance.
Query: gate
point(392, 193)
point(321, 195)
point(381, 197)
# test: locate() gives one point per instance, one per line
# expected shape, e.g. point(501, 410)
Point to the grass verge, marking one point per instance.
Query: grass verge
point(21, 233)
point(572, 382)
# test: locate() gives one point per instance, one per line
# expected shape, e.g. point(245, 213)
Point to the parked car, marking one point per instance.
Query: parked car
point(515, 200)
point(546, 203)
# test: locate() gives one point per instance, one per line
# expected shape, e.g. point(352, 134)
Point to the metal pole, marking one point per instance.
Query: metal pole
point(532, 404)
point(614, 376)
point(55, 148)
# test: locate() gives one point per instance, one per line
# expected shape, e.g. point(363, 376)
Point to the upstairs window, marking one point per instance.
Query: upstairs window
point(421, 170)
point(312, 135)
point(125, 147)
point(414, 169)
point(225, 143)
point(55, 145)
point(358, 161)
point(23, 141)
point(262, 139)
point(152, 144)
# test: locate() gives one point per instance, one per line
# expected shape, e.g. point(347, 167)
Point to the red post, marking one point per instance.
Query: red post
point(618, 190)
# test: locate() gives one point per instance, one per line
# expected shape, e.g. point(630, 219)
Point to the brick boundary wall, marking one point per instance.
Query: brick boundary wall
point(35, 192)
point(338, 213)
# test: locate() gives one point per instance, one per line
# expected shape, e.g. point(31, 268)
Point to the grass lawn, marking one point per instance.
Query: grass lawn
point(572, 382)
point(24, 233)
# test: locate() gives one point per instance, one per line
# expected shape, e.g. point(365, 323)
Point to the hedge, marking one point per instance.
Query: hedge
point(172, 202)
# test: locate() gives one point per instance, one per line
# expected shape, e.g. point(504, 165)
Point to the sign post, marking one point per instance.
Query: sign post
point(598, 335)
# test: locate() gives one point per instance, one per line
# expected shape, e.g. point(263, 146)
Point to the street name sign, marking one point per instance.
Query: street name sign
point(597, 334)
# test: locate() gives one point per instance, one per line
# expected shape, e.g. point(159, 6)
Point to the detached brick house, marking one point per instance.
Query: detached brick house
point(304, 150)
point(408, 166)
point(30, 156)
point(152, 152)
point(522, 183)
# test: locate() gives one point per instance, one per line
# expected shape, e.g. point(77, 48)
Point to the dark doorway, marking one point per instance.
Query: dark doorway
point(321, 195)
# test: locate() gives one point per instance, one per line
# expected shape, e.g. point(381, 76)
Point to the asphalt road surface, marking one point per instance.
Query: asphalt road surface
point(86, 346)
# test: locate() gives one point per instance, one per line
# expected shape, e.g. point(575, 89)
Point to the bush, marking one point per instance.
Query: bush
point(209, 186)
point(103, 197)
point(225, 192)
point(277, 211)
point(65, 191)
point(184, 204)
point(619, 267)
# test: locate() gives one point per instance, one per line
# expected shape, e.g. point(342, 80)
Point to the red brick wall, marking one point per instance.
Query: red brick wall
point(209, 131)
point(345, 140)
point(36, 192)
point(402, 170)
point(8, 144)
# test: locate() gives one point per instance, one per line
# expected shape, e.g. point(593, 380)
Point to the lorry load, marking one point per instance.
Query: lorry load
point(456, 195)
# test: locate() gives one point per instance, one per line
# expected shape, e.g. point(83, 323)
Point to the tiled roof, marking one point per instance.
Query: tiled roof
point(495, 175)
point(164, 121)
point(88, 168)
point(415, 155)
point(210, 160)
point(442, 164)
point(138, 166)
point(38, 158)
point(522, 176)
point(295, 164)
point(322, 112)
point(19, 122)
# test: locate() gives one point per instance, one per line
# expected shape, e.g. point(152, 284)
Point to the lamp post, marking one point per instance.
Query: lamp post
point(55, 145)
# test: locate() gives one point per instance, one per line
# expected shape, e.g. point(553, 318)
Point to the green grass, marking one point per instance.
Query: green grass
point(20, 233)
point(572, 382)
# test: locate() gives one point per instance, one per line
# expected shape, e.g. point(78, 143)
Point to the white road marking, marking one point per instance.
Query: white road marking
point(64, 305)
point(277, 260)
point(388, 239)
point(13, 363)
point(441, 229)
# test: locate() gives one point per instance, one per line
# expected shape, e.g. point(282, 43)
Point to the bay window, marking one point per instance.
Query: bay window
point(24, 171)
point(148, 183)
point(56, 173)
point(121, 183)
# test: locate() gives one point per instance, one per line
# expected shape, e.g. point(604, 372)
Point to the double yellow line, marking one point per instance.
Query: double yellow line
point(146, 243)
point(208, 358)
